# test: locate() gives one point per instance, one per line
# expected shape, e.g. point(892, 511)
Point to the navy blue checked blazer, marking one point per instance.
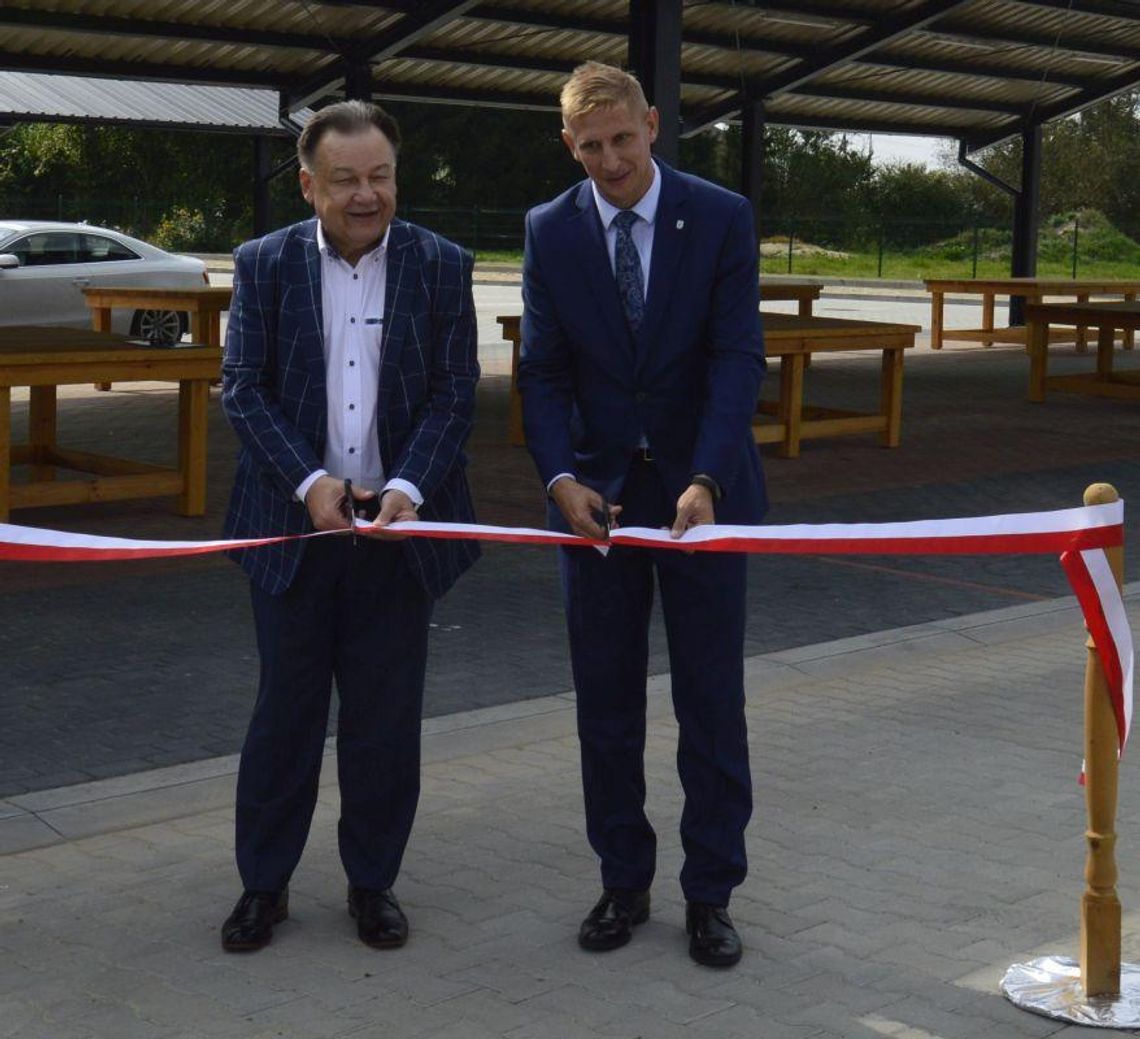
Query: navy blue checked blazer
point(273, 392)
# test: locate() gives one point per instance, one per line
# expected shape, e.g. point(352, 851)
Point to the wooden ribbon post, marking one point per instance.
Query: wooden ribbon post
point(1100, 905)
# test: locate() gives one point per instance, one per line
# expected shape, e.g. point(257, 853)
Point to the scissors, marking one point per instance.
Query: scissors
point(348, 508)
point(604, 521)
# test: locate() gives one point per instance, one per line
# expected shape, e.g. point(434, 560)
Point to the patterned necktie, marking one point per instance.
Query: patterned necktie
point(627, 269)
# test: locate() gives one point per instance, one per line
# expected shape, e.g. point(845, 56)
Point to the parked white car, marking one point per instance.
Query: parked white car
point(44, 266)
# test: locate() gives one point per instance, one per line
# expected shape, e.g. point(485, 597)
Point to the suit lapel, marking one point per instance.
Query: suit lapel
point(589, 245)
point(310, 311)
point(399, 286)
point(670, 231)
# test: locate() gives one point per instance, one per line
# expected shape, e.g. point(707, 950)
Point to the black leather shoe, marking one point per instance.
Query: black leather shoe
point(250, 926)
point(610, 923)
point(380, 921)
point(713, 940)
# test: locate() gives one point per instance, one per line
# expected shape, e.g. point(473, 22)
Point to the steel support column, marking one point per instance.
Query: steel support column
point(655, 58)
point(752, 157)
point(261, 176)
point(357, 81)
point(1025, 205)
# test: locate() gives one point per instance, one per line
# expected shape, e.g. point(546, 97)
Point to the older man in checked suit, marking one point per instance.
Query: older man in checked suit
point(350, 353)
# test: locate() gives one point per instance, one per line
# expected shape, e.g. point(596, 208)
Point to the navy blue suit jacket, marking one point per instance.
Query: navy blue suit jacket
point(689, 379)
point(274, 392)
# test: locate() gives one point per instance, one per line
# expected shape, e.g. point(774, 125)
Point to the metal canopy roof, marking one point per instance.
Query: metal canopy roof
point(30, 96)
point(977, 70)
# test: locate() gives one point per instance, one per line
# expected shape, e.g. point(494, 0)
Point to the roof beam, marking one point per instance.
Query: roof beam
point(832, 124)
point(825, 59)
point(1105, 8)
point(105, 25)
point(919, 63)
point(449, 96)
point(423, 19)
point(968, 33)
point(554, 66)
point(924, 100)
point(619, 27)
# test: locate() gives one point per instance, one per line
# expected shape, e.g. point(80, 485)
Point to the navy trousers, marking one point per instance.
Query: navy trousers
point(608, 602)
point(356, 614)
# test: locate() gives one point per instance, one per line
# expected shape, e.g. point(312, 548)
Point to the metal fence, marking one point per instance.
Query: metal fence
point(789, 244)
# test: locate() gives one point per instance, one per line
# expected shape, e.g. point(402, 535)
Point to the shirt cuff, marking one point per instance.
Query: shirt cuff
point(308, 482)
point(410, 489)
point(560, 476)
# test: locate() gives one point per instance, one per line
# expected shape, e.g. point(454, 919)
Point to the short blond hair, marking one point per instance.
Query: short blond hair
point(594, 85)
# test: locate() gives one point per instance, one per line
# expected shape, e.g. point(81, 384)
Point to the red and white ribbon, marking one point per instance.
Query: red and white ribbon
point(1079, 536)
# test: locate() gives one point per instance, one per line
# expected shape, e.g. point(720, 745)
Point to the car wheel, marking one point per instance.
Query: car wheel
point(159, 326)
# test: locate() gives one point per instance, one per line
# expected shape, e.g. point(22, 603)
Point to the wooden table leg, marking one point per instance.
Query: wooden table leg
point(791, 403)
point(1037, 343)
point(805, 311)
point(1082, 330)
point(988, 316)
point(1105, 343)
point(5, 449)
point(101, 322)
point(515, 434)
point(890, 395)
point(1129, 337)
point(936, 301)
point(193, 398)
point(41, 431)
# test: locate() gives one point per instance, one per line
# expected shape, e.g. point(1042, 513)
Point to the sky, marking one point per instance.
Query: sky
point(887, 148)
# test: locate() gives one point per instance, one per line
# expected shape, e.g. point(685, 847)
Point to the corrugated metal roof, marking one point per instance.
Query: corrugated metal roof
point(28, 95)
point(979, 70)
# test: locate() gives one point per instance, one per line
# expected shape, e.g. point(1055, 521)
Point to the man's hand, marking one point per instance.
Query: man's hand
point(395, 507)
point(578, 505)
point(694, 508)
point(325, 500)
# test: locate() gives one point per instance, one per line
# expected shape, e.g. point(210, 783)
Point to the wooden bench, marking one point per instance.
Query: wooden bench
point(44, 358)
point(1106, 318)
point(1033, 290)
point(793, 338)
point(805, 293)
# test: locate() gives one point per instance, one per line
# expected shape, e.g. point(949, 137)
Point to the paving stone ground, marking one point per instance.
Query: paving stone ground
point(918, 829)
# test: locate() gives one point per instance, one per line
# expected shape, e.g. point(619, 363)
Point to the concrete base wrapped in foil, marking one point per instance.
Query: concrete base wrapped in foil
point(1051, 986)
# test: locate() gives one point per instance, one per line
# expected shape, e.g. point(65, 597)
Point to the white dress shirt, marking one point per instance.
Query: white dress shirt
point(352, 301)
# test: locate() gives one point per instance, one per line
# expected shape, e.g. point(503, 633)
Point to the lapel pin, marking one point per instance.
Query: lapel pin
point(680, 224)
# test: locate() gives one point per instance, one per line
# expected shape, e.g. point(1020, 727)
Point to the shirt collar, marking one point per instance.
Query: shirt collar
point(646, 206)
point(328, 250)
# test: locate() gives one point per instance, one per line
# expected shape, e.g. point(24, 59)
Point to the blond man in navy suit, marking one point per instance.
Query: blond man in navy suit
point(641, 363)
point(350, 354)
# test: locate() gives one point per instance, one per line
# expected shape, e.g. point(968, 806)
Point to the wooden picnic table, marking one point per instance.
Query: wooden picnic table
point(1033, 290)
point(45, 358)
point(805, 293)
point(204, 304)
point(793, 339)
point(1103, 316)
